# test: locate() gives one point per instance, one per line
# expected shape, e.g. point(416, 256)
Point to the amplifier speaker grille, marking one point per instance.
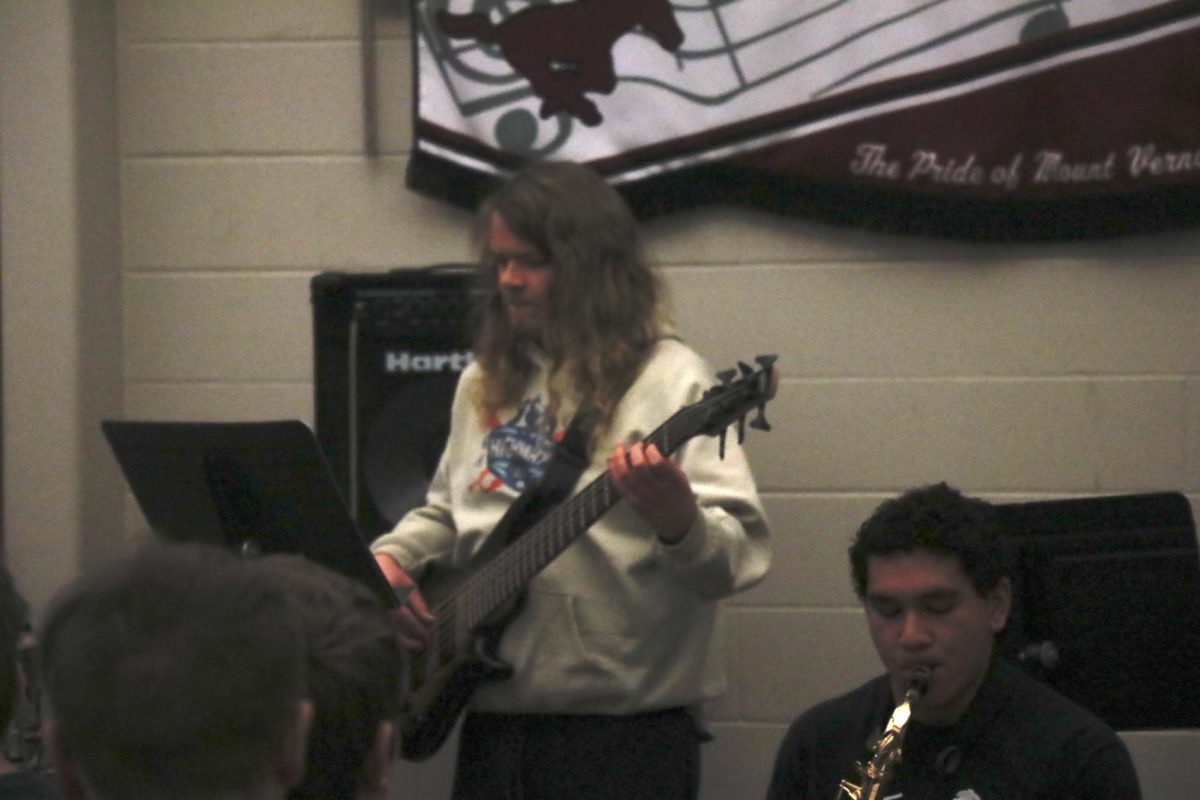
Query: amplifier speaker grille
point(388, 349)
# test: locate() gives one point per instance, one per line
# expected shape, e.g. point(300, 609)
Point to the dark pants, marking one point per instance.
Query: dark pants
point(651, 756)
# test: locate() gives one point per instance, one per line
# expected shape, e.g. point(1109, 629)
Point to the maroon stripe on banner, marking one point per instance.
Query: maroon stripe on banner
point(1125, 121)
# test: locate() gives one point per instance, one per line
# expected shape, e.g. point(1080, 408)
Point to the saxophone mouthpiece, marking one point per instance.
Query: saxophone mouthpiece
point(918, 681)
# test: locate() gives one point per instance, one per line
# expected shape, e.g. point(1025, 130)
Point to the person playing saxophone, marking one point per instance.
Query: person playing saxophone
point(930, 569)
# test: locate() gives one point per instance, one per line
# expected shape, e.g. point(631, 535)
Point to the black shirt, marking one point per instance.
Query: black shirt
point(27, 785)
point(1019, 740)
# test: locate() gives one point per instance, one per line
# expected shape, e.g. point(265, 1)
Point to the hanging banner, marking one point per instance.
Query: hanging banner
point(973, 119)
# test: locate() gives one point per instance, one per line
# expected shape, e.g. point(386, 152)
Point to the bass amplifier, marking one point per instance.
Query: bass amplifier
point(388, 349)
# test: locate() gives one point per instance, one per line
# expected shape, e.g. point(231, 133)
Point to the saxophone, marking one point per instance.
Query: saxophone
point(877, 773)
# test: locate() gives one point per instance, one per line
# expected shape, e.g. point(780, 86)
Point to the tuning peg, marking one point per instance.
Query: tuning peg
point(726, 376)
point(766, 360)
point(759, 423)
point(745, 369)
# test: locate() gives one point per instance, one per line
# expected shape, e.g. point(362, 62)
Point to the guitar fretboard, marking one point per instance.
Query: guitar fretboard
point(504, 577)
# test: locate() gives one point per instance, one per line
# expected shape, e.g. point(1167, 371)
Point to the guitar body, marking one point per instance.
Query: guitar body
point(471, 608)
point(429, 713)
point(438, 681)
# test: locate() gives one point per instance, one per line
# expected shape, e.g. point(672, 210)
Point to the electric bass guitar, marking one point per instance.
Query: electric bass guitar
point(471, 611)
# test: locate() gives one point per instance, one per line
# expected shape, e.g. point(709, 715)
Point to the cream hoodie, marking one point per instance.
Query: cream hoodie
point(619, 622)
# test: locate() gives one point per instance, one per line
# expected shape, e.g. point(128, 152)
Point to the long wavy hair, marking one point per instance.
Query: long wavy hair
point(606, 306)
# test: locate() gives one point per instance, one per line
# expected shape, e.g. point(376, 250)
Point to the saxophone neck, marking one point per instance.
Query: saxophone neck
point(878, 771)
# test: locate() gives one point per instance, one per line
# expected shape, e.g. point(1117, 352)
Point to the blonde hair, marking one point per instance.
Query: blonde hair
point(606, 305)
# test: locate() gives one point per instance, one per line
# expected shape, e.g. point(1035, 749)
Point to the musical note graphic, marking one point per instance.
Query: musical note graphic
point(733, 61)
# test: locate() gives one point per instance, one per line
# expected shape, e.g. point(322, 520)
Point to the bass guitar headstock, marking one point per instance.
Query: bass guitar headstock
point(740, 391)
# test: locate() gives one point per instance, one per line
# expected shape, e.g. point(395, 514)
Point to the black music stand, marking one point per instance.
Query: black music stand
point(1108, 605)
point(252, 487)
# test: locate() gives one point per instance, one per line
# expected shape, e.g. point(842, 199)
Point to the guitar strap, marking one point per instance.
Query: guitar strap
point(568, 462)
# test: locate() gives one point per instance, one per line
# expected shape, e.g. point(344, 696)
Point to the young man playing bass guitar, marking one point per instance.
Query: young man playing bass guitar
point(612, 648)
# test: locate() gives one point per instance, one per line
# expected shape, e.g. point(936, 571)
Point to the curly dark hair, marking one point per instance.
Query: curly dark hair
point(938, 519)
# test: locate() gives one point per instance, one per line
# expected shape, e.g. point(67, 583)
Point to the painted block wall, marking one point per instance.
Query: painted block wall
point(1014, 372)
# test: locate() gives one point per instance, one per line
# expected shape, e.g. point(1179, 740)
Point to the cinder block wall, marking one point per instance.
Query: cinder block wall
point(1015, 372)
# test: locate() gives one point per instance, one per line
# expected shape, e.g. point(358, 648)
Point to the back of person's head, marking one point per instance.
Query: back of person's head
point(937, 519)
point(14, 623)
point(175, 672)
point(606, 304)
point(354, 678)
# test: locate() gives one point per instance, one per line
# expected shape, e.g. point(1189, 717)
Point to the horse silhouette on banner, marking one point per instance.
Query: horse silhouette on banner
point(564, 50)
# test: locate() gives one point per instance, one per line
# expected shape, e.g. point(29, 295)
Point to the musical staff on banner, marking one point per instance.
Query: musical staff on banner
point(529, 93)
